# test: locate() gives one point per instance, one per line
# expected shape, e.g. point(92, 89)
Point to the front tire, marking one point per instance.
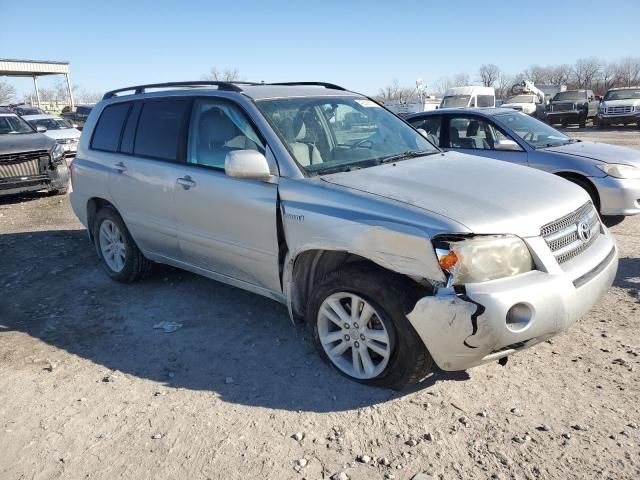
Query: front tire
point(120, 256)
point(357, 318)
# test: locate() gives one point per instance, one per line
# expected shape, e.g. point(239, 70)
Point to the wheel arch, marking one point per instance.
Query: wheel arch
point(94, 204)
point(593, 190)
point(309, 267)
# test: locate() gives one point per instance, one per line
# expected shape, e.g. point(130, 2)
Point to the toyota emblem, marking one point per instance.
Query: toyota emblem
point(584, 231)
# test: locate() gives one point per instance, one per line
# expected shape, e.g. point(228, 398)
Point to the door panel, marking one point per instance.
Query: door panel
point(228, 226)
point(143, 190)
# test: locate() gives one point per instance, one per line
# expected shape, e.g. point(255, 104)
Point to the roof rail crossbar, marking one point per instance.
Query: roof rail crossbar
point(318, 84)
point(227, 86)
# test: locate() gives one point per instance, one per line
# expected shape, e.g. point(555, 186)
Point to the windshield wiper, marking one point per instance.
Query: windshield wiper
point(406, 155)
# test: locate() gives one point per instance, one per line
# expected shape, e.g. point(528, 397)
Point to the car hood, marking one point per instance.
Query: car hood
point(601, 152)
point(64, 133)
point(486, 196)
point(613, 103)
point(24, 143)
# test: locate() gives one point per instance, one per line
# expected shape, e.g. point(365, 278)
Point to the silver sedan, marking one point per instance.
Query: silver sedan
point(610, 174)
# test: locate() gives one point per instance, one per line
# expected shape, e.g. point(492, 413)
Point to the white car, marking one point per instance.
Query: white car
point(526, 103)
point(57, 128)
point(619, 106)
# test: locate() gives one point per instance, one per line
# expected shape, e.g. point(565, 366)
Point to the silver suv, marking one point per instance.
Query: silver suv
point(399, 257)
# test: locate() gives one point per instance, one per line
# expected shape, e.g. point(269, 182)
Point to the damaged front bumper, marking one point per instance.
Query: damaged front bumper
point(487, 321)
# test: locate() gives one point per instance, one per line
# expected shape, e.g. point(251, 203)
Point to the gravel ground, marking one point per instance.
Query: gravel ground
point(90, 389)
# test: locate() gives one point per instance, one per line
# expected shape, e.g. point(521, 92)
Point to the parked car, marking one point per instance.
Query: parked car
point(619, 106)
point(58, 129)
point(571, 107)
point(401, 258)
point(610, 174)
point(526, 103)
point(23, 110)
point(469, 97)
point(77, 115)
point(29, 161)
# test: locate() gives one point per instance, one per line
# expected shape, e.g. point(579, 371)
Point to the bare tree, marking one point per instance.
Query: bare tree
point(226, 75)
point(7, 92)
point(585, 71)
point(395, 92)
point(461, 80)
point(489, 74)
point(559, 75)
point(537, 74)
point(628, 72)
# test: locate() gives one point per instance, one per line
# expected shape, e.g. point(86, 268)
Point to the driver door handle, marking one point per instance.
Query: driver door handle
point(186, 182)
point(120, 167)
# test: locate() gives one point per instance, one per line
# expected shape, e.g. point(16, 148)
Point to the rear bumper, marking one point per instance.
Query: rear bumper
point(462, 331)
point(618, 196)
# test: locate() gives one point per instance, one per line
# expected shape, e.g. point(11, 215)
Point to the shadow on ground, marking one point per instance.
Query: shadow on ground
point(239, 345)
point(628, 276)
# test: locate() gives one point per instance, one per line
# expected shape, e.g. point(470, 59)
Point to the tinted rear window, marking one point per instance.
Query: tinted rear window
point(159, 129)
point(106, 135)
point(84, 110)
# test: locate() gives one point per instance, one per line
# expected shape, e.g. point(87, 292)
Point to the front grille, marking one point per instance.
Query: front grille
point(562, 107)
point(25, 164)
point(619, 109)
point(562, 235)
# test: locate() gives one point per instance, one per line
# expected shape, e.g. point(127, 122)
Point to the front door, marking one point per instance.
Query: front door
point(475, 135)
point(226, 225)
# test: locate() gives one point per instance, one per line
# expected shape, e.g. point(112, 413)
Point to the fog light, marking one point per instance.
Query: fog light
point(519, 316)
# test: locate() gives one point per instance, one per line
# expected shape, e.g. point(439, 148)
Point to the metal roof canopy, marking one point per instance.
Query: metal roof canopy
point(35, 69)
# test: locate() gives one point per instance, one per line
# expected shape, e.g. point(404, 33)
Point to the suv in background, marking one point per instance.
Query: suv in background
point(29, 161)
point(77, 115)
point(619, 106)
point(22, 111)
point(571, 107)
point(401, 258)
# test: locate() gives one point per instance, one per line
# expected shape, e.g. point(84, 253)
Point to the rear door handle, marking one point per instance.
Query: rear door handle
point(121, 167)
point(186, 182)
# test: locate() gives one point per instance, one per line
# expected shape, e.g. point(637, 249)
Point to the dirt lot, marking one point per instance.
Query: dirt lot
point(89, 389)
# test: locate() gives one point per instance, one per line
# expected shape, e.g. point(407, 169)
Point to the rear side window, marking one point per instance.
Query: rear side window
point(486, 100)
point(106, 135)
point(160, 129)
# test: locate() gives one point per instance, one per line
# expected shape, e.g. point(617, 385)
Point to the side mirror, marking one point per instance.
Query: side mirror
point(40, 129)
point(247, 164)
point(74, 125)
point(507, 146)
point(423, 132)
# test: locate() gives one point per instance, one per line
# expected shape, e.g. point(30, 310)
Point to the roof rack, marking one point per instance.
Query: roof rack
point(137, 89)
point(311, 84)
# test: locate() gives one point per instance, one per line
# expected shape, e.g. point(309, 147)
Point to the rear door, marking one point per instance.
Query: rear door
point(477, 135)
point(226, 226)
point(143, 173)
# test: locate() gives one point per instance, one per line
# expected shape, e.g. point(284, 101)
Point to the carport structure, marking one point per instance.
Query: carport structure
point(35, 69)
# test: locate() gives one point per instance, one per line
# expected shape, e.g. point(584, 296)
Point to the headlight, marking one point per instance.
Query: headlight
point(65, 141)
point(484, 258)
point(602, 108)
point(637, 108)
point(58, 153)
point(620, 171)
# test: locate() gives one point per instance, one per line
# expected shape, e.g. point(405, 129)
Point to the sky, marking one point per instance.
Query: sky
point(361, 45)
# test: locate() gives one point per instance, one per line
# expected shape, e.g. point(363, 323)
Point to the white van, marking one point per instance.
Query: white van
point(467, 97)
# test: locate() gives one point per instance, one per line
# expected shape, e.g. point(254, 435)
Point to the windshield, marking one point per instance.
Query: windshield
point(456, 101)
point(50, 123)
point(13, 125)
point(532, 131)
point(521, 99)
point(332, 134)
point(569, 96)
point(627, 94)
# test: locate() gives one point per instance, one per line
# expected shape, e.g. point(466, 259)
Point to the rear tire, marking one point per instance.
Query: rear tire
point(387, 298)
point(119, 255)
